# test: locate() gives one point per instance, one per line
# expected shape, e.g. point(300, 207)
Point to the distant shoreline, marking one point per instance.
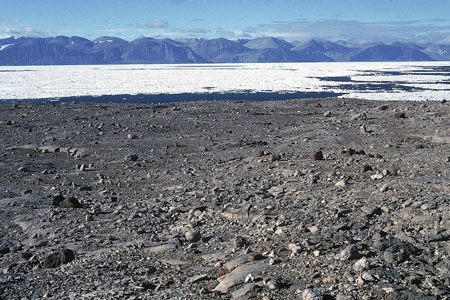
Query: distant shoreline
point(169, 98)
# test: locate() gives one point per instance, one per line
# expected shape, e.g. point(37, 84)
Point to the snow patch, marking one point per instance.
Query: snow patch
point(104, 41)
point(3, 47)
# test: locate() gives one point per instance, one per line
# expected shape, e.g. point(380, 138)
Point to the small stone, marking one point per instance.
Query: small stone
point(349, 151)
point(400, 115)
point(57, 200)
point(71, 202)
point(349, 253)
point(239, 242)
point(327, 114)
point(275, 157)
point(312, 294)
point(273, 284)
point(132, 136)
point(366, 168)
point(22, 169)
point(329, 280)
point(384, 188)
point(192, 236)
point(361, 265)
point(382, 107)
point(275, 191)
point(280, 231)
point(313, 229)
point(131, 157)
point(294, 249)
point(249, 278)
point(342, 183)
point(367, 277)
point(377, 176)
point(85, 188)
point(317, 155)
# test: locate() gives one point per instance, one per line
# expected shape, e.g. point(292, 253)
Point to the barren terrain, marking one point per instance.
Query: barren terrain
point(298, 199)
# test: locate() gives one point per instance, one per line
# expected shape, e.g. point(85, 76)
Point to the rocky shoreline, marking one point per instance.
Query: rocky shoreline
point(296, 199)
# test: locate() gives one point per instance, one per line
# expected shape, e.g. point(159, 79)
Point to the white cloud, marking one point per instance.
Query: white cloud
point(353, 30)
point(21, 30)
point(157, 23)
point(114, 30)
point(233, 34)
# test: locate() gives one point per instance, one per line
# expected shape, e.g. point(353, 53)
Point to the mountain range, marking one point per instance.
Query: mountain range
point(62, 50)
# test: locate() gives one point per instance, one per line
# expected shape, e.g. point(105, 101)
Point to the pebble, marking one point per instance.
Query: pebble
point(273, 284)
point(57, 200)
point(274, 157)
point(312, 294)
point(366, 168)
point(349, 253)
point(361, 265)
point(131, 157)
point(400, 115)
point(240, 242)
point(341, 183)
point(376, 176)
point(71, 202)
point(318, 155)
point(192, 236)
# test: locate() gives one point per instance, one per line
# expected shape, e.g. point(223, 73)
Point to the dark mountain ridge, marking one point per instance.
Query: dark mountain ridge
point(63, 50)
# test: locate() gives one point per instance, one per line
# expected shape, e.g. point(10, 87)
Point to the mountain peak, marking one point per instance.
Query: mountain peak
point(268, 43)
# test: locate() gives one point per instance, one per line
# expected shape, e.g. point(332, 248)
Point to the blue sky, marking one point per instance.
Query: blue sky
point(351, 20)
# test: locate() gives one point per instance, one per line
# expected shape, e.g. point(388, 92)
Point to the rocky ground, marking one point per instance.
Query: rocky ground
point(300, 199)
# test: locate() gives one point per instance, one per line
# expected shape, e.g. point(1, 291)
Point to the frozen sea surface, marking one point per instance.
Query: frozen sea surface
point(377, 81)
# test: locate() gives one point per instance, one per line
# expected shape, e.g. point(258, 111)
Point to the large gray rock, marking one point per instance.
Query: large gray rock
point(238, 275)
point(58, 258)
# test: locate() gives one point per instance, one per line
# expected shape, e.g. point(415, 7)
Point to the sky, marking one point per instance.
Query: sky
point(293, 20)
